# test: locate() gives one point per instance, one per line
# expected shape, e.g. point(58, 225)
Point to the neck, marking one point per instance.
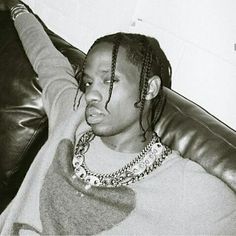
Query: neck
point(130, 143)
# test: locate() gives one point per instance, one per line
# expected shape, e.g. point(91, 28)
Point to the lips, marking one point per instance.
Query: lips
point(94, 115)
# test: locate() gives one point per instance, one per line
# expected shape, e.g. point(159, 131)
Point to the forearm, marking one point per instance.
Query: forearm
point(55, 74)
point(44, 57)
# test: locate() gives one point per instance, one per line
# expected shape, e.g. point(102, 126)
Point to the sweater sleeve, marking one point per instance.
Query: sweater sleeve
point(209, 204)
point(55, 73)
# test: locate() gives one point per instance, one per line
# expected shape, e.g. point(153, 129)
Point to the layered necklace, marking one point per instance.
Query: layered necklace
point(144, 163)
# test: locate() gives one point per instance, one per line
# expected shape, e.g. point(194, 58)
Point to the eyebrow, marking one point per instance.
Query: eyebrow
point(101, 72)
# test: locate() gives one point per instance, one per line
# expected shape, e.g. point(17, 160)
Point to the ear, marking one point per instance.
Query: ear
point(154, 84)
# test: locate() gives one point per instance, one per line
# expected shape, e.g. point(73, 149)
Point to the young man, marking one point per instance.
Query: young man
point(103, 169)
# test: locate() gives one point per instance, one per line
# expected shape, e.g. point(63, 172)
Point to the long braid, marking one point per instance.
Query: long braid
point(146, 76)
point(79, 77)
point(161, 98)
point(115, 50)
point(142, 74)
point(76, 95)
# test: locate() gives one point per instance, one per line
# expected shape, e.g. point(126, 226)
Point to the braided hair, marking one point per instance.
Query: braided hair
point(146, 53)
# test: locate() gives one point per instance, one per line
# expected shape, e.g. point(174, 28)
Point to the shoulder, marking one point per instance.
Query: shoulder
point(204, 182)
point(194, 178)
point(207, 201)
point(201, 185)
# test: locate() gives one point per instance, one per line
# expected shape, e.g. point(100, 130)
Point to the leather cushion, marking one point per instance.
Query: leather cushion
point(199, 136)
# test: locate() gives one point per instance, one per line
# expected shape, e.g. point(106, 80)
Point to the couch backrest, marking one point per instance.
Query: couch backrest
point(199, 136)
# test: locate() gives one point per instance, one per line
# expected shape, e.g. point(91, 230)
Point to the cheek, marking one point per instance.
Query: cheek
point(126, 96)
point(124, 110)
point(123, 100)
point(123, 103)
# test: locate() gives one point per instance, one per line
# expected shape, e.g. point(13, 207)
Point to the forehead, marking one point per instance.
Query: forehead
point(100, 59)
point(101, 52)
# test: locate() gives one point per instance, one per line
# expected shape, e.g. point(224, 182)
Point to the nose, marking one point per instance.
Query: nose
point(93, 95)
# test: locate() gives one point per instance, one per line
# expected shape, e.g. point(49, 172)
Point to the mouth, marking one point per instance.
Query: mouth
point(94, 116)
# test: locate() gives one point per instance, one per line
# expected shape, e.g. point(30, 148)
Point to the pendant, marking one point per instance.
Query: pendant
point(87, 186)
point(78, 193)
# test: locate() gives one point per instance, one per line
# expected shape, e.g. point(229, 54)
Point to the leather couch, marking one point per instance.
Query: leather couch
point(184, 126)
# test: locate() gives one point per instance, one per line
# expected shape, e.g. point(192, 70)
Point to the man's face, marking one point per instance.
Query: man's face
point(121, 116)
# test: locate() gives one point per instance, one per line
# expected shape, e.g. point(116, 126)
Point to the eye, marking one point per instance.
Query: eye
point(108, 80)
point(87, 84)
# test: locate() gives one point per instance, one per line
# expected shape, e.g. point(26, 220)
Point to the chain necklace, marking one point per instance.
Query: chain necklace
point(146, 161)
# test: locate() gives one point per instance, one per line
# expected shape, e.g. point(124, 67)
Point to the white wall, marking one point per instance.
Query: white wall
point(82, 21)
point(198, 37)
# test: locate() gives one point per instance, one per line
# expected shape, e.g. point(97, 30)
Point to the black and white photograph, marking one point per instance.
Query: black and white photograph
point(117, 117)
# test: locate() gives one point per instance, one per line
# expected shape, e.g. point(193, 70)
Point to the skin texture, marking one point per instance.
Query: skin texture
point(118, 126)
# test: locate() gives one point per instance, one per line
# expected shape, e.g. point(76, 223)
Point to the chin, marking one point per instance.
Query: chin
point(102, 131)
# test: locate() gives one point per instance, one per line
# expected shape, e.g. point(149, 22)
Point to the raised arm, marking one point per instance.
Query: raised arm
point(56, 76)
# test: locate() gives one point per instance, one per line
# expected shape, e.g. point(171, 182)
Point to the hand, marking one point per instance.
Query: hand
point(8, 4)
